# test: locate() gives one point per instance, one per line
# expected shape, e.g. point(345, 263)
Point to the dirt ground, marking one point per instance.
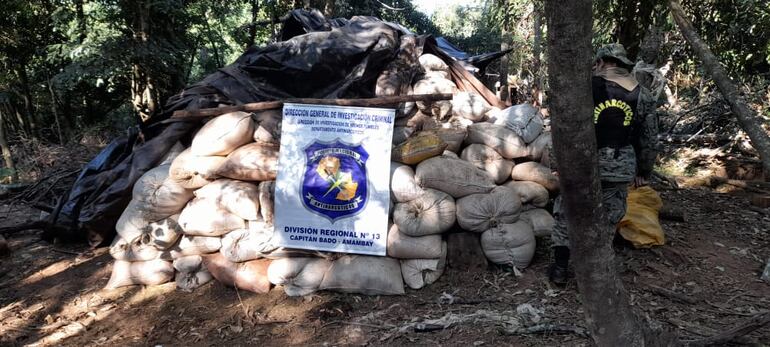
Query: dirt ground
point(52, 295)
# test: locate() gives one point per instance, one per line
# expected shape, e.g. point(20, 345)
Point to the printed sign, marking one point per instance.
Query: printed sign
point(333, 187)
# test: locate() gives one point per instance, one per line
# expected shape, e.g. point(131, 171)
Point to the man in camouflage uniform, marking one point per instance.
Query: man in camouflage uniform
point(626, 135)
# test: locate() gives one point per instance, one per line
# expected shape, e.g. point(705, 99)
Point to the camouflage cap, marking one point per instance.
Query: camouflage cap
point(614, 50)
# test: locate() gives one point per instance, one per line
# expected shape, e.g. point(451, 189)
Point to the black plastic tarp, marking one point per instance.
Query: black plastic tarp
point(343, 62)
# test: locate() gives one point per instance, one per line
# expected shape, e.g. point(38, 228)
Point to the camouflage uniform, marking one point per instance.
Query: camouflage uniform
point(618, 165)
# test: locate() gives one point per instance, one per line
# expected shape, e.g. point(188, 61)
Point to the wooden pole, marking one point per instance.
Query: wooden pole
point(747, 118)
point(269, 105)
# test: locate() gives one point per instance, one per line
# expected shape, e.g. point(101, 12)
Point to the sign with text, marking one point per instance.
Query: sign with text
point(333, 187)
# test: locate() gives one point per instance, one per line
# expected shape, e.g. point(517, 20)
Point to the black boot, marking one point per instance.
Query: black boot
point(558, 273)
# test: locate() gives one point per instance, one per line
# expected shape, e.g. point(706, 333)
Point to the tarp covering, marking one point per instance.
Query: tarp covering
point(338, 62)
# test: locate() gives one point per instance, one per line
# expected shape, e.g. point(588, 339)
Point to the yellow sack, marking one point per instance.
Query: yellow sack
point(418, 148)
point(640, 225)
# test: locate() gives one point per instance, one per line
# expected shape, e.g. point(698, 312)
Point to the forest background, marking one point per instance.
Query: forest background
point(77, 72)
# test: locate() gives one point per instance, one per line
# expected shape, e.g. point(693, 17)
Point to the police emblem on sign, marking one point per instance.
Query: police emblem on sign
point(335, 184)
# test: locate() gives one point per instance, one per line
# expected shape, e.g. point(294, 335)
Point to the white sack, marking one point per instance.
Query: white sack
point(204, 217)
point(268, 126)
point(298, 276)
point(151, 272)
point(430, 62)
point(238, 197)
point(480, 212)
point(431, 213)
point(457, 178)
point(503, 140)
point(191, 273)
point(223, 134)
point(364, 275)
point(536, 172)
point(403, 186)
point(435, 85)
point(539, 146)
point(418, 273)
point(469, 105)
point(509, 244)
point(403, 246)
point(541, 221)
point(529, 192)
point(194, 171)
point(524, 120)
point(133, 250)
point(163, 233)
point(266, 201)
point(487, 159)
point(247, 244)
point(192, 245)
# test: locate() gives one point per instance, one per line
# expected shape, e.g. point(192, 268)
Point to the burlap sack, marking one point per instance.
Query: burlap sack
point(524, 119)
point(192, 245)
point(453, 137)
point(418, 273)
point(509, 244)
point(529, 192)
point(403, 186)
point(204, 217)
point(502, 139)
point(430, 62)
point(364, 275)
point(223, 134)
point(266, 199)
point(154, 197)
point(536, 172)
point(238, 197)
point(435, 85)
point(418, 148)
point(431, 213)
point(194, 171)
point(403, 246)
point(268, 126)
point(250, 275)
point(487, 159)
point(191, 273)
point(248, 244)
point(133, 250)
point(159, 193)
point(298, 276)
point(541, 221)
point(469, 105)
point(164, 233)
point(151, 272)
point(537, 147)
point(480, 212)
point(252, 162)
point(457, 178)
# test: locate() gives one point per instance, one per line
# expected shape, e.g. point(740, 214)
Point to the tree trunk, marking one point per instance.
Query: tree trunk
point(253, 26)
point(26, 95)
point(747, 118)
point(143, 93)
point(608, 313)
point(537, 45)
point(82, 33)
point(55, 110)
point(6, 149)
point(505, 44)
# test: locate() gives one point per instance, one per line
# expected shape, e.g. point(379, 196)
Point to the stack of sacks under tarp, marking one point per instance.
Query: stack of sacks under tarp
point(209, 214)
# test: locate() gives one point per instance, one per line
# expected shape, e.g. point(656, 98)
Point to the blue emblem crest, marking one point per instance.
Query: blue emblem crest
point(335, 184)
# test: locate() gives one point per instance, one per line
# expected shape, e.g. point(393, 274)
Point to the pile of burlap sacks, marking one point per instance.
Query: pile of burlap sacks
point(206, 212)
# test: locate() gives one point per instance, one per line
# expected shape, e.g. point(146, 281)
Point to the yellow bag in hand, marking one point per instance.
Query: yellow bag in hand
point(640, 225)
